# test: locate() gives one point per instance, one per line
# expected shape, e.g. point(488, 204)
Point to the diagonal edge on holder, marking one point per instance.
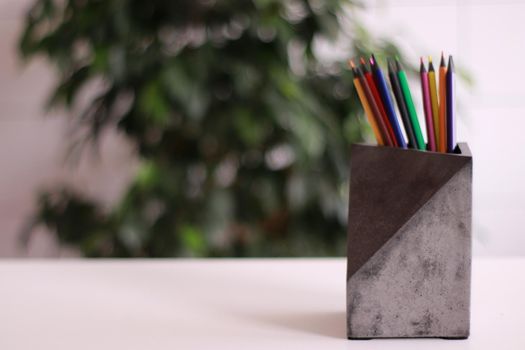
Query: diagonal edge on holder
point(418, 283)
point(387, 187)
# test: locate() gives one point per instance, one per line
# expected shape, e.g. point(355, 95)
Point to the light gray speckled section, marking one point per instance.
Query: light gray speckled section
point(418, 283)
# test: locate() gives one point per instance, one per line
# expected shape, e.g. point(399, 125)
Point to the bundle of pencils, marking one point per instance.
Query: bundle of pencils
point(438, 105)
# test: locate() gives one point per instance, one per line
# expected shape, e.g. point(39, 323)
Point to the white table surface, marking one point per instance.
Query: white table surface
point(222, 304)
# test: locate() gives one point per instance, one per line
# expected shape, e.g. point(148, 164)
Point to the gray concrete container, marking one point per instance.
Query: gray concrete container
point(409, 243)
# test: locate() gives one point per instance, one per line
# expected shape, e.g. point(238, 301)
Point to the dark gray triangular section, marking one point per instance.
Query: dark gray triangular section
point(387, 186)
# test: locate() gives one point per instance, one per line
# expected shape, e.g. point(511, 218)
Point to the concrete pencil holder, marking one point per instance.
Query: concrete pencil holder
point(409, 243)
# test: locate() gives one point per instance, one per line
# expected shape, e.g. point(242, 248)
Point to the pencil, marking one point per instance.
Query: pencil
point(427, 106)
point(442, 144)
point(451, 118)
point(366, 107)
point(434, 99)
point(410, 106)
point(387, 102)
point(398, 95)
point(373, 106)
point(377, 98)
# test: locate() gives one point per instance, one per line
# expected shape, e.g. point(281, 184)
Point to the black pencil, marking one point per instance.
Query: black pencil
point(398, 94)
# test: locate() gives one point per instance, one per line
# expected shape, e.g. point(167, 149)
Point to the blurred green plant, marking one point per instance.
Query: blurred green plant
point(241, 113)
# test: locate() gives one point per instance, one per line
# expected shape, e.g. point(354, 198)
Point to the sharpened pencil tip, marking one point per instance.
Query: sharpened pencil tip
point(442, 64)
point(372, 62)
point(429, 59)
point(421, 59)
point(362, 60)
point(398, 65)
point(450, 63)
point(391, 66)
point(351, 63)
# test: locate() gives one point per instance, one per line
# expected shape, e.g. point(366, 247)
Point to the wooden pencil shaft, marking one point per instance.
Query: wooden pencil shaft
point(379, 102)
point(375, 110)
point(411, 109)
point(398, 95)
point(434, 100)
point(451, 118)
point(427, 108)
point(368, 112)
point(442, 110)
point(389, 107)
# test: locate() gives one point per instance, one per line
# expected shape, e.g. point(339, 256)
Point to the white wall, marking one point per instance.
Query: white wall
point(484, 36)
point(487, 38)
point(32, 144)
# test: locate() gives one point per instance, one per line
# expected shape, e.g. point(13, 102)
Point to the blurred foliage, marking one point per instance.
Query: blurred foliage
point(241, 113)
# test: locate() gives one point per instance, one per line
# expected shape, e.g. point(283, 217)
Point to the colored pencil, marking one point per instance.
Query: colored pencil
point(374, 111)
point(451, 118)
point(427, 107)
point(398, 94)
point(403, 80)
point(377, 98)
point(434, 99)
point(387, 102)
point(373, 106)
point(442, 144)
point(367, 108)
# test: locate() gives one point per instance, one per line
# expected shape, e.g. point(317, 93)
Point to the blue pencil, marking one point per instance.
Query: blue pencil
point(451, 118)
point(389, 107)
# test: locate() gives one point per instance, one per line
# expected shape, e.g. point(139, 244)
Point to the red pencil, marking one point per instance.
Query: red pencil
point(442, 142)
point(427, 106)
point(373, 106)
point(377, 98)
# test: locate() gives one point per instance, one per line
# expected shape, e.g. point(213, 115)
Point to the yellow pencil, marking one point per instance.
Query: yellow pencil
point(433, 99)
point(442, 145)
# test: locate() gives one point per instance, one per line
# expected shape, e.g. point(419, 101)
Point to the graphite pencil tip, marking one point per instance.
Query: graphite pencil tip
point(398, 66)
point(372, 60)
point(422, 66)
point(364, 67)
point(442, 64)
point(390, 65)
point(450, 64)
point(355, 70)
point(351, 65)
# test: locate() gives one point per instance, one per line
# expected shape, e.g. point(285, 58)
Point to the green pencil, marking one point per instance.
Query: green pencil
point(410, 106)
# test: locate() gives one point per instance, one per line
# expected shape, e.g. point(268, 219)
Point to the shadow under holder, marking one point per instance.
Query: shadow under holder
point(409, 243)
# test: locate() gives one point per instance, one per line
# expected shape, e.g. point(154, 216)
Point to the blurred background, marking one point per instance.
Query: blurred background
point(221, 128)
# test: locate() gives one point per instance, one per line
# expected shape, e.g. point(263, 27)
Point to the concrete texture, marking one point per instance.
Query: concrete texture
point(417, 284)
point(387, 187)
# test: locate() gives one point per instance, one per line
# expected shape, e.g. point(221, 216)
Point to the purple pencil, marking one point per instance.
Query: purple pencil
point(427, 106)
point(451, 118)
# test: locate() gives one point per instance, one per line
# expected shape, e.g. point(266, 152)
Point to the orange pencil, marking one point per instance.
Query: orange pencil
point(442, 144)
point(373, 106)
point(366, 107)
